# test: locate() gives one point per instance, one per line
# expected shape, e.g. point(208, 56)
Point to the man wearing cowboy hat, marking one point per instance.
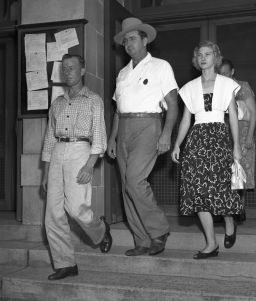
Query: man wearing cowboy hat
point(142, 88)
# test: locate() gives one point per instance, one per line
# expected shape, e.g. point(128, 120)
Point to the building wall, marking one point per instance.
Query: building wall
point(38, 11)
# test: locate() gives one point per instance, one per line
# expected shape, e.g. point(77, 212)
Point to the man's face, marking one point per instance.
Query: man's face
point(133, 43)
point(72, 71)
point(226, 70)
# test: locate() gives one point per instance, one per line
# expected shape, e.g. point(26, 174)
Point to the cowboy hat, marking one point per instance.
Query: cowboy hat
point(131, 24)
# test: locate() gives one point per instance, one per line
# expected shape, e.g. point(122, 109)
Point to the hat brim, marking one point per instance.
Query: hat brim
point(148, 29)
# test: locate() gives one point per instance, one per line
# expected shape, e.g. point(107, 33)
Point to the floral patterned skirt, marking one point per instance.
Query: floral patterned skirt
point(206, 172)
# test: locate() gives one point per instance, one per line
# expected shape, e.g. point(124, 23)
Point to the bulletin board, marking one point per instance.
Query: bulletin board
point(36, 88)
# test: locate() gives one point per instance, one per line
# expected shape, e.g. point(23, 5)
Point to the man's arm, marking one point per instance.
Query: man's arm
point(164, 142)
point(233, 121)
point(45, 175)
point(250, 102)
point(111, 150)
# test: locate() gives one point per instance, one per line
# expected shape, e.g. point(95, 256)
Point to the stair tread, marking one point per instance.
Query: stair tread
point(213, 287)
point(7, 269)
point(168, 254)
point(21, 244)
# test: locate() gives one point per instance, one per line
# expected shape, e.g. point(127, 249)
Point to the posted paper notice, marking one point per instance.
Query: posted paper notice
point(37, 100)
point(57, 91)
point(36, 80)
point(66, 38)
point(57, 75)
point(35, 61)
point(54, 53)
point(35, 42)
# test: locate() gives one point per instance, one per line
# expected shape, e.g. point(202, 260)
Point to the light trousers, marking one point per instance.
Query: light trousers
point(65, 195)
point(136, 154)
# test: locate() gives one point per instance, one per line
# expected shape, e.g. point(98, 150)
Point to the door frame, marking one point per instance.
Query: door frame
point(7, 36)
point(213, 23)
point(113, 11)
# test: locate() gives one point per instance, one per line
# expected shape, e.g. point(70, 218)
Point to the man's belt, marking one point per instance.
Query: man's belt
point(140, 115)
point(67, 139)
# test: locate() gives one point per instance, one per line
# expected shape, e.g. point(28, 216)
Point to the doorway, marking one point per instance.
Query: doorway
point(8, 109)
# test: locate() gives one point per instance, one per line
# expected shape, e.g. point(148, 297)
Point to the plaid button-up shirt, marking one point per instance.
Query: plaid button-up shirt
point(80, 116)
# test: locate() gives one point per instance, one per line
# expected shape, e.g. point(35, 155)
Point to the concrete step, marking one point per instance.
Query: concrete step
point(169, 263)
point(8, 270)
point(32, 284)
point(14, 257)
point(185, 235)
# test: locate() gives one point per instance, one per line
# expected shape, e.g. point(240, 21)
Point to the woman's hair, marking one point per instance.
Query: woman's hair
point(228, 63)
point(215, 49)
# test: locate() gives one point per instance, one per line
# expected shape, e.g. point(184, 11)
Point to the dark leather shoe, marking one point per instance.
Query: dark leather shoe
point(229, 240)
point(64, 272)
point(201, 255)
point(137, 251)
point(158, 244)
point(106, 243)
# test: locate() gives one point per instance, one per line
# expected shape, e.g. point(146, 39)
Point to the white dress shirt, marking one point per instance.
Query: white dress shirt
point(143, 88)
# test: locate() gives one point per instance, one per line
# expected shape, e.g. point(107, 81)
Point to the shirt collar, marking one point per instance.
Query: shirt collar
point(146, 59)
point(83, 92)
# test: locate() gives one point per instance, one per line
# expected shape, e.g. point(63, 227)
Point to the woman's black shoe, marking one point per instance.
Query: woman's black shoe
point(201, 255)
point(230, 240)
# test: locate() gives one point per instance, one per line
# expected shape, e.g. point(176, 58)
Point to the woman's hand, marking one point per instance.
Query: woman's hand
point(237, 153)
point(176, 154)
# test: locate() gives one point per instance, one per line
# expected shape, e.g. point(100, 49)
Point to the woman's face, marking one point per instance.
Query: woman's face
point(206, 58)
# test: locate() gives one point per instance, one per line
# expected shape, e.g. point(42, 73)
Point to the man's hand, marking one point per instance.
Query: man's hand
point(85, 174)
point(164, 144)
point(44, 182)
point(111, 150)
point(45, 176)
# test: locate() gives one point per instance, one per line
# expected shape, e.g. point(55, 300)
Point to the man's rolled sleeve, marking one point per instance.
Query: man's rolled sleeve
point(49, 140)
point(168, 81)
point(99, 136)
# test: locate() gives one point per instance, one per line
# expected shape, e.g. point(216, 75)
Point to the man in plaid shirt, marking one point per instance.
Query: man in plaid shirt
point(75, 138)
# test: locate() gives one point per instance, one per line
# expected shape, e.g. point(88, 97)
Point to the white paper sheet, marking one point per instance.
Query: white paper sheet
point(57, 75)
point(54, 53)
point(36, 80)
point(57, 91)
point(35, 42)
point(66, 38)
point(37, 100)
point(35, 61)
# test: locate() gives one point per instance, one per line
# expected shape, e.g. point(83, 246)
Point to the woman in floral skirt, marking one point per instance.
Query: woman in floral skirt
point(207, 157)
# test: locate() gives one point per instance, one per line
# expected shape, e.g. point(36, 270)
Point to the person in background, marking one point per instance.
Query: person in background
point(207, 157)
point(142, 87)
point(246, 127)
point(75, 138)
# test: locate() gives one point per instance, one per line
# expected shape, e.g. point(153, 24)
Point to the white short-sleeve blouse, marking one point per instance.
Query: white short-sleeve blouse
point(192, 95)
